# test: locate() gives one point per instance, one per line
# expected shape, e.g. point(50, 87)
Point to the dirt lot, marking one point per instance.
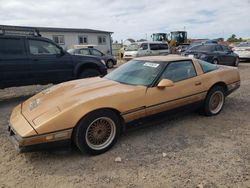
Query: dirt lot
point(198, 151)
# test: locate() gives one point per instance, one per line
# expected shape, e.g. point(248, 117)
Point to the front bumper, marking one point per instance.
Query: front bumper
point(103, 71)
point(37, 142)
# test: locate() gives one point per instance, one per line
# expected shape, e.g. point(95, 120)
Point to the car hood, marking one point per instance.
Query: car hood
point(63, 96)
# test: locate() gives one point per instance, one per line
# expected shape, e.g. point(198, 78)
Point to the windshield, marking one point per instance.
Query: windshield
point(137, 72)
point(132, 47)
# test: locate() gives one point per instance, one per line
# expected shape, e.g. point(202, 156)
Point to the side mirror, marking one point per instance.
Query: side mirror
point(165, 83)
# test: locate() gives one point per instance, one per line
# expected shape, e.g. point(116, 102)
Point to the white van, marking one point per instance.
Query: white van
point(139, 49)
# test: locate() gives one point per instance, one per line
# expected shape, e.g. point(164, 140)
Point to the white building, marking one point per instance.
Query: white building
point(67, 37)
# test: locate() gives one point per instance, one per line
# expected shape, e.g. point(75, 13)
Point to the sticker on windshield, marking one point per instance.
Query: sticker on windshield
point(154, 65)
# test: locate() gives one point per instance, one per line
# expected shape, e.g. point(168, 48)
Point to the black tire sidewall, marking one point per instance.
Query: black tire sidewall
point(207, 110)
point(87, 73)
point(216, 60)
point(82, 126)
point(110, 61)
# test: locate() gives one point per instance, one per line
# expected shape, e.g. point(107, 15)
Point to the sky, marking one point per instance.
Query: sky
point(134, 19)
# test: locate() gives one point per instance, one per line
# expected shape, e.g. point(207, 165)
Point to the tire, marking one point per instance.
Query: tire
point(215, 61)
point(214, 101)
point(98, 126)
point(89, 73)
point(110, 64)
point(237, 61)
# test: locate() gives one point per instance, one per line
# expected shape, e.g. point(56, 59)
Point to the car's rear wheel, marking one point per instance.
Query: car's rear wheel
point(214, 101)
point(97, 132)
point(88, 73)
point(110, 64)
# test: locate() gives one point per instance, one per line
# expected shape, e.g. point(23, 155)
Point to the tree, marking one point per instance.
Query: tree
point(234, 39)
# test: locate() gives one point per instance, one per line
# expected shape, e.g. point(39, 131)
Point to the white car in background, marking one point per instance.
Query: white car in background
point(139, 49)
point(243, 50)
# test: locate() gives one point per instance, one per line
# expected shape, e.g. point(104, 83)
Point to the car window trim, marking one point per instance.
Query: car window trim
point(92, 49)
point(42, 40)
point(167, 64)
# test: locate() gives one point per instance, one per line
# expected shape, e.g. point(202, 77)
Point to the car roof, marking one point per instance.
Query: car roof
point(166, 58)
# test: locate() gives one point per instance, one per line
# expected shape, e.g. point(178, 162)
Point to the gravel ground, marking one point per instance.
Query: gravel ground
point(186, 150)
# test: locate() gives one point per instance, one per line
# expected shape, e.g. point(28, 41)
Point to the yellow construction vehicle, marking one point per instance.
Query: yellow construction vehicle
point(174, 39)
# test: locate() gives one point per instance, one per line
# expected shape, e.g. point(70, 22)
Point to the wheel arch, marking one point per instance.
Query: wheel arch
point(117, 112)
point(85, 66)
point(222, 84)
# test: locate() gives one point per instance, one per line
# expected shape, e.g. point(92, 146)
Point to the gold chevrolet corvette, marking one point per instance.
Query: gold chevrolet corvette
point(92, 112)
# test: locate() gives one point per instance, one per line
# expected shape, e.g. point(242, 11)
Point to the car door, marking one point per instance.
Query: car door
point(14, 63)
point(187, 88)
point(49, 64)
point(222, 55)
point(144, 50)
point(229, 55)
point(163, 49)
point(154, 49)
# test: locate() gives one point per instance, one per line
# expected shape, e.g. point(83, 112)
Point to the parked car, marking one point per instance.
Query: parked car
point(110, 61)
point(27, 59)
point(140, 49)
point(243, 50)
point(182, 48)
point(93, 112)
point(213, 53)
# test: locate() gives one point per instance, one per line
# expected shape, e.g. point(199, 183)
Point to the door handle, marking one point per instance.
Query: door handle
point(197, 83)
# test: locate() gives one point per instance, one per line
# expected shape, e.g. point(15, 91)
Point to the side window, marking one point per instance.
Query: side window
point(38, 47)
point(11, 48)
point(163, 46)
point(207, 67)
point(96, 52)
point(144, 46)
point(226, 49)
point(84, 52)
point(178, 71)
point(219, 48)
point(154, 46)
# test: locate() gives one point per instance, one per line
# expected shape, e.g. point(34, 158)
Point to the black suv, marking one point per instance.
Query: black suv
point(214, 53)
point(27, 58)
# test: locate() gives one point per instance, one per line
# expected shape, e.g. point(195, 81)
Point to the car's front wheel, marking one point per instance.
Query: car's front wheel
point(97, 132)
point(215, 61)
point(214, 101)
point(88, 73)
point(110, 64)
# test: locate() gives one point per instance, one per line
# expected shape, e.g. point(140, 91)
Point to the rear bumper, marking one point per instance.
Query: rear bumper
point(232, 87)
point(43, 141)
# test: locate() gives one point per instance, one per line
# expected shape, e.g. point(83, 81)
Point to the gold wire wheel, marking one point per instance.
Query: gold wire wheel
point(100, 133)
point(216, 102)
